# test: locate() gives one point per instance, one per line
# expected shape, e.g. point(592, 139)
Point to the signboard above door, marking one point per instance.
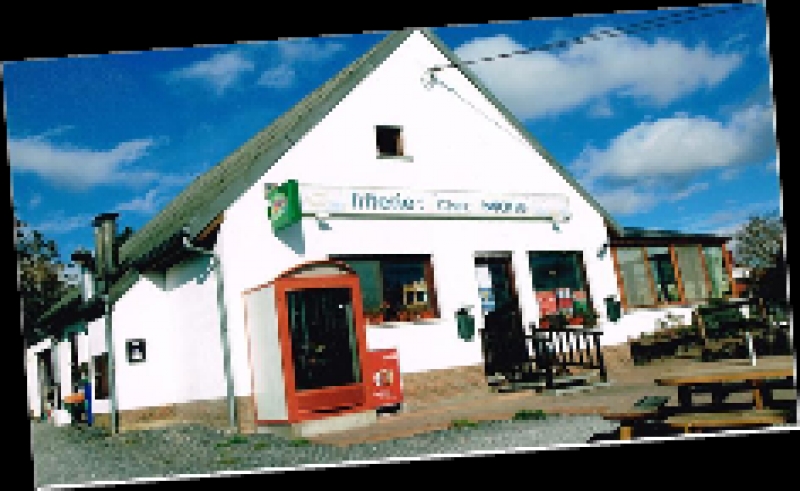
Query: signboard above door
point(385, 202)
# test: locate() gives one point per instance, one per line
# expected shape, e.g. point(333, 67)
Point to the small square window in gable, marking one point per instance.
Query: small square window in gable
point(389, 140)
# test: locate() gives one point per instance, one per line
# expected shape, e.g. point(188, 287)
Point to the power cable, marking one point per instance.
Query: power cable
point(595, 36)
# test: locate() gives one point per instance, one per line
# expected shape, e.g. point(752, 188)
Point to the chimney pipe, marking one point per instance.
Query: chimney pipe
point(85, 261)
point(105, 233)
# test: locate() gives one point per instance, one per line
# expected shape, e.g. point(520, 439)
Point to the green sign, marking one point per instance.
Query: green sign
point(284, 205)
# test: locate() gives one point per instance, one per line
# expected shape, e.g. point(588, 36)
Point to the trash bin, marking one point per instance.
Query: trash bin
point(613, 309)
point(466, 324)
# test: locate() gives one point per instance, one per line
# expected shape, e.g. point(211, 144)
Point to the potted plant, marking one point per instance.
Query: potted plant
point(590, 319)
point(557, 321)
point(373, 316)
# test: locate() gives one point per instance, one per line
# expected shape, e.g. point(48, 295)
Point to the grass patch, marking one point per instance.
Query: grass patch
point(458, 424)
point(299, 442)
point(228, 460)
point(234, 440)
point(259, 445)
point(529, 414)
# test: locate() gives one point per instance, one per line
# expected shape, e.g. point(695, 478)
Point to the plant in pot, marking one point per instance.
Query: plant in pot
point(590, 318)
point(376, 315)
point(557, 321)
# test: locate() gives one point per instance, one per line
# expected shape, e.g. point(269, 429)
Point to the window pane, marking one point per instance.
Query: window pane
point(558, 281)
point(369, 276)
point(394, 286)
point(692, 274)
point(716, 270)
point(663, 274)
point(324, 347)
point(402, 280)
point(635, 281)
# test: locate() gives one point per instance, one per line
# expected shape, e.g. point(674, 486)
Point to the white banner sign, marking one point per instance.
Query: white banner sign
point(323, 200)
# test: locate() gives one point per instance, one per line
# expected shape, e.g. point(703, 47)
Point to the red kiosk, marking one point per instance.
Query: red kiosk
point(308, 353)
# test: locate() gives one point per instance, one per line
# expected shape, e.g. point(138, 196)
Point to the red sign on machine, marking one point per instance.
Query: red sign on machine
point(383, 383)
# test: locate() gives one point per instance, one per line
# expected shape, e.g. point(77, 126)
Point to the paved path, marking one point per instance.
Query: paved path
point(629, 383)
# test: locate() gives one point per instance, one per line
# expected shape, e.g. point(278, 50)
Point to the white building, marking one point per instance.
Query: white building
point(423, 184)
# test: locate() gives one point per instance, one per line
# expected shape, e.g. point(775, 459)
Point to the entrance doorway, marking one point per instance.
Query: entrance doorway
point(323, 338)
point(47, 385)
point(504, 345)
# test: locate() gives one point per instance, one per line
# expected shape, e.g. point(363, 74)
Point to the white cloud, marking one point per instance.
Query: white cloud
point(688, 191)
point(79, 168)
point(625, 200)
point(220, 71)
point(727, 220)
point(601, 109)
point(293, 53)
point(661, 160)
point(542, 83)
point(146, 204)
point(60, 224)
point(683, 146)
point(156, 197)
point(308, 50)
point(278, 77)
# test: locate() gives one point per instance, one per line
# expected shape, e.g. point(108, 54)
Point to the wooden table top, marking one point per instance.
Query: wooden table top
point(733, 371)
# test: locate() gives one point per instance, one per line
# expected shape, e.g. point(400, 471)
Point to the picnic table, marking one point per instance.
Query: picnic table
point(721, 380)
point(724, 376)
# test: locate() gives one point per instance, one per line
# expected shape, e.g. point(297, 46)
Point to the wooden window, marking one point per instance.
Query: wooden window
point(101, 376)
point(395, 288)
point(717, 272)
point(637, 288)
point(389, 141)
point(664, 276)
point(693, 278)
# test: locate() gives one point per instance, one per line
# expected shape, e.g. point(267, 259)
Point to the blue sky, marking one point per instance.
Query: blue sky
point(669, 128)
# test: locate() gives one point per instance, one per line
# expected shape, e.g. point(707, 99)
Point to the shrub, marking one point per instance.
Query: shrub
point(462, 423)
point(528, 414)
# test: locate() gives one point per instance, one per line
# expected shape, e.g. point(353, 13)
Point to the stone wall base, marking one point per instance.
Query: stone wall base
point(213, 413)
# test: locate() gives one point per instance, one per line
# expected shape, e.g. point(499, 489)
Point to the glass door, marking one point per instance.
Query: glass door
point(323, 337)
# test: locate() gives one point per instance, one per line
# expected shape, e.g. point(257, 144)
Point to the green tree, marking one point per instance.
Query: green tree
point(759, 246)
point(39, 272)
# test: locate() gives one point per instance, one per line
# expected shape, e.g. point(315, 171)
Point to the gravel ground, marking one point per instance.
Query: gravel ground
point(78, 455)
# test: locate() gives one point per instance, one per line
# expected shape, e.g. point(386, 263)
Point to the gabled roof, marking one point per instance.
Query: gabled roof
point(214, 191)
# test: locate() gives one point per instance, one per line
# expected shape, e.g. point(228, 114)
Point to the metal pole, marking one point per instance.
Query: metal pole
point(223, 327)
point(110, 350)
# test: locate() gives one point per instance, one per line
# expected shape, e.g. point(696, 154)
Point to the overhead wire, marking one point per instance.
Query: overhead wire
point(688, 15)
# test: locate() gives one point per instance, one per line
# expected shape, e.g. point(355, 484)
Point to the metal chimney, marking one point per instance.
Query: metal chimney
point(105, 231)
point(85, 261)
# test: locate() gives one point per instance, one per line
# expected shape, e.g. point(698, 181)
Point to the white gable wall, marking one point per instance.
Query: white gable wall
point(456, 144)
point(196, 346)
point(144, 313)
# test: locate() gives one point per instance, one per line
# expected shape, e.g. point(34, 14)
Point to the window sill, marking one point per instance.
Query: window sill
point(406, 158)
point(405, 323)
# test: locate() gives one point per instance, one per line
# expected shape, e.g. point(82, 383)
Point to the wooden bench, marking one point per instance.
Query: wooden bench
point(690, 422)
point(646, 409)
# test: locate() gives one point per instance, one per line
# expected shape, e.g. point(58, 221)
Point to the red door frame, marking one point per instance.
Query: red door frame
point(302, 405)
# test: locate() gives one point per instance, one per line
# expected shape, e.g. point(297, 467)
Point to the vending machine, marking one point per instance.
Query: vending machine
point(308, 351)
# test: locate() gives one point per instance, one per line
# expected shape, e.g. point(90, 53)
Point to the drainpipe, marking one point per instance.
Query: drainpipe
point(223, 322)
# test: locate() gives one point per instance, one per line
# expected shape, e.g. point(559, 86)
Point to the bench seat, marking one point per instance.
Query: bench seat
point(729, 419)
